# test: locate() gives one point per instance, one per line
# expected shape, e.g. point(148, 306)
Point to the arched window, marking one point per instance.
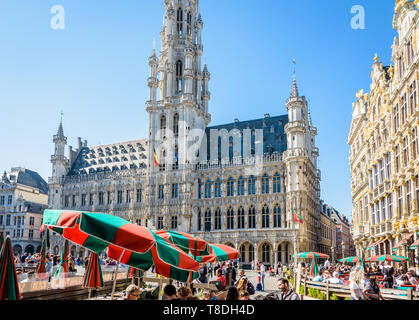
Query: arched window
point(266, 253)
point(277, 216)
point(189, 23)
point(286, 253)
point(180, 22)
point(252, 217)
point(199, 189)
point(276, 183)
point(217, 188)
point(240, 187)
point(279, 253)
point(242, 253)
point(240, 218)
point(179, 76)
point(176, 158)
point(208, 189)
point(208, 220)
point(265, 216)
point(230, 187)
point(251, 253)
point(176, 125)
point(230, 218)
point(163, 125)
point(251, 185)
point(265, 184)
point(217, 219)
point(199, 226)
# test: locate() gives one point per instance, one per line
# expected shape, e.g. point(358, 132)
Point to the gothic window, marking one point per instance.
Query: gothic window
point(175, 166)
point(199, 226)
point(189, 24)
point(412, 90)
point(175, 190)
point(265, 216)
point(240, 187)
point(390, 206)
point(242, 253)
point(230, 218)
point(100, 198)
point(217, 188)
point(276, 183)
point(160, 223)
point(251, 252)
point(251, 217)
point(408, 196)
point(251, 185)
point(174, 222)
point(163, 126)
point(208, 192)
point(230, 187)
point(217, 219)
point(414, 147)
point(266, 253)
point(176, 125)
point(405, 151)
point(397, 158)
point(240, 218)
point(139, 195)
point(179, 75)
point(388, 165)
point(403, 111)
point(180, 22)
point(396, 118)
point(161, 191)
point(199, 189)
point(265, 184)
point(277, 216)
point(208, 220)
point(400, 198)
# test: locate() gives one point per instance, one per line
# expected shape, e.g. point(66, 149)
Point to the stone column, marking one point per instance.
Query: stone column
point(256, 252)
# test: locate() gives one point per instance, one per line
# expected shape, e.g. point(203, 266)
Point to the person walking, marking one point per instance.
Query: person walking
point(262, 276)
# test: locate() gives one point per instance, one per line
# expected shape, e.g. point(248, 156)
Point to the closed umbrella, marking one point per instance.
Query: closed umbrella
point(134, 274)
point(9, 286)
point(93, 275)
point(314, 270)
point(62, 270)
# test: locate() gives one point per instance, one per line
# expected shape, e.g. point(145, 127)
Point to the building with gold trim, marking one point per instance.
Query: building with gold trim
point(383, 141)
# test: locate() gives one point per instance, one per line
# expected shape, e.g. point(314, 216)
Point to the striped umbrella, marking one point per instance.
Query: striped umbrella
point(388, 257)
point(93, 274)
point(185, 241)
point(41, 266)
point(125, 242)
point(311, 255)
point(9, 286)
point(62, 269)
point(351, 259)
point(218, 252)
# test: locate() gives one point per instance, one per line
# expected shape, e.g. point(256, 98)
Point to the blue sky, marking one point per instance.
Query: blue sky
point(96, 69)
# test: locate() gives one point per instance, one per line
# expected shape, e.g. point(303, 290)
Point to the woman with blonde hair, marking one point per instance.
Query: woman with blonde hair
point(355, 284)
point(242, 285)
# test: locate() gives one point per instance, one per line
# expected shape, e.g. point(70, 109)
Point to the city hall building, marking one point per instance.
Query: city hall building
point(384, 147)
point(237, 183)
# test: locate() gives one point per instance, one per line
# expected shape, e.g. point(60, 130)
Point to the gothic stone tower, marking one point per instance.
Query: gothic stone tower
point(178, 105)
point(303, 177)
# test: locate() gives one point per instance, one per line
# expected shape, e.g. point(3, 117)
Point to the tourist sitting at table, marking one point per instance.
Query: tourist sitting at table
point(220, 277)
point(335, 279)
point(169, 292)
point(132, 292)
point(403, 281)
point(372, 290)
point(411, 278)
point(30, 277)
point(319, 277)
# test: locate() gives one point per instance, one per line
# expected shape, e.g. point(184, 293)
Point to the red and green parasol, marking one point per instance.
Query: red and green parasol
point(41, 266)
point(62, 270)
point(388, 257)
point(185, 241)
point(133, 245)
point(218, 252)
point(310, 255)
point(351, 259)
point(9, 286)
point(93, 274)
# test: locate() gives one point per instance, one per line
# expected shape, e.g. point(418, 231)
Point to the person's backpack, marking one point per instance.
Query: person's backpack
point(250, 288)
point(259, 287)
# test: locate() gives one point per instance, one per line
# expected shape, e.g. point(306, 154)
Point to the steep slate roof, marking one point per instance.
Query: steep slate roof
point(117, 156)
point(28, 178)
point(274, 138)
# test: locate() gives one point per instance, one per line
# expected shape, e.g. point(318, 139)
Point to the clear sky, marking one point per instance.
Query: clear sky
point(96, 69)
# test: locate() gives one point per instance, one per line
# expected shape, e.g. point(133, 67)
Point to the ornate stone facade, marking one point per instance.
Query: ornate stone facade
point(384, 146)
point(239, 186)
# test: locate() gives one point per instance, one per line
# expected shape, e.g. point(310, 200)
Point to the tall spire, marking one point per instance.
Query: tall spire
point(60, 132)
point(294, 90)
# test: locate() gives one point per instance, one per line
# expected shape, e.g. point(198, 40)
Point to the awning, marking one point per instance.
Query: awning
point(401, 242)
point(414, 245)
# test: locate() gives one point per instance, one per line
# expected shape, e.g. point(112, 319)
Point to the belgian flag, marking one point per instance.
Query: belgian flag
point(156, 161)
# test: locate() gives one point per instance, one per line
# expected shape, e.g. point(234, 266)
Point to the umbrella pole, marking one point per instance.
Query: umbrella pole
point(116, 274)
point(90, 291)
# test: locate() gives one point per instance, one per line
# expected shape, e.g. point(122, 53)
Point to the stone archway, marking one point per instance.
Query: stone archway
point(265, 253)
point(247, 252)
point(30, 249)
point(17, 250)
point(39, 249)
